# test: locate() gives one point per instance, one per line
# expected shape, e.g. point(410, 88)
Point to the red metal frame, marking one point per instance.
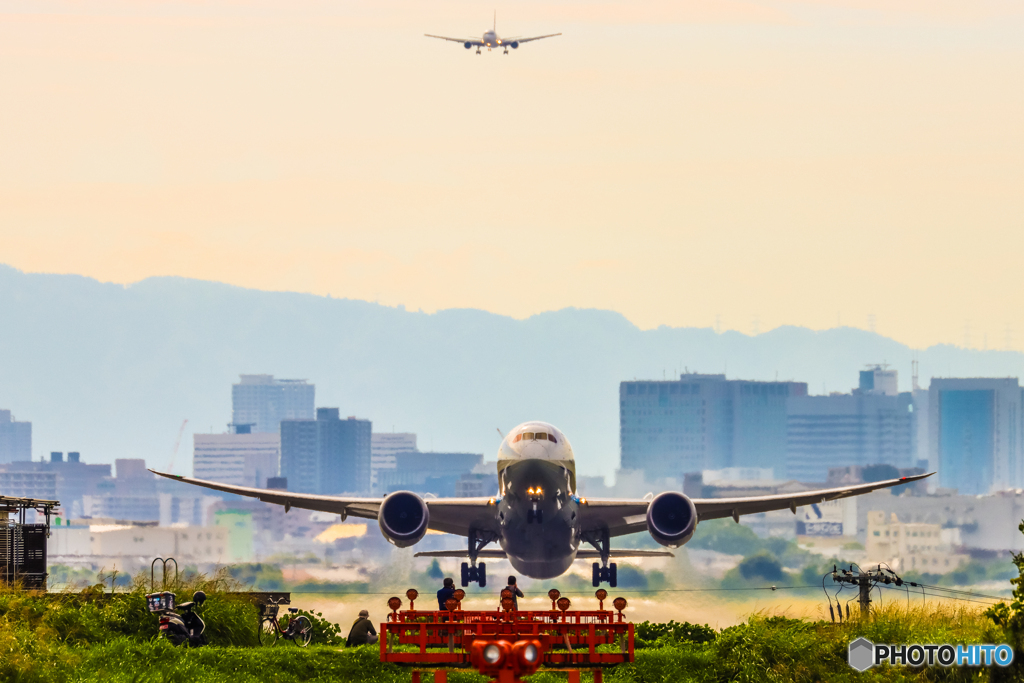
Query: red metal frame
point(569, 639)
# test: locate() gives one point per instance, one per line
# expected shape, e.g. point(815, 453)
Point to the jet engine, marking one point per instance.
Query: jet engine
point(403, 518)
point(467, 45)
point(514, 45)
point(671, 519)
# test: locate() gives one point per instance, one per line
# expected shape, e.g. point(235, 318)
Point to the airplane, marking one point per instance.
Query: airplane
point(537, 517)
point(491, 39)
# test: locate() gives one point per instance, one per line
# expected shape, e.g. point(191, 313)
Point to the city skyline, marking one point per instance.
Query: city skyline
point(733, 164)
point(452, 378)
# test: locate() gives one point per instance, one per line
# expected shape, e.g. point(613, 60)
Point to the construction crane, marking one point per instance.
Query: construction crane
point(177, 443)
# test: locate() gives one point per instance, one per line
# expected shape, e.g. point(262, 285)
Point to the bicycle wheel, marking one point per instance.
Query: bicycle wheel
point(302, 630)
point(267, 632)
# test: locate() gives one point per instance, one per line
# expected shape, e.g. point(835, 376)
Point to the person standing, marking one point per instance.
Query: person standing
point(446, 592)
point(516, 593)
point(362, 632)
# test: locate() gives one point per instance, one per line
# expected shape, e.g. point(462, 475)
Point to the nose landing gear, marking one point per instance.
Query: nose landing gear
point(609, 574)
point(534, 515)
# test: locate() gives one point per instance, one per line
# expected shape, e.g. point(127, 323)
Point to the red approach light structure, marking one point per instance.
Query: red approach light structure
point(507, 644)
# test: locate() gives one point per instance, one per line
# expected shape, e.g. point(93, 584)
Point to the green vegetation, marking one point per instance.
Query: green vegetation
point(94, 636)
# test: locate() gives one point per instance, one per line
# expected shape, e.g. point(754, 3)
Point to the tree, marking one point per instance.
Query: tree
point(434, 570)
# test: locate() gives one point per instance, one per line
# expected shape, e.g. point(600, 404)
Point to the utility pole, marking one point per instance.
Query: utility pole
point(864, 581)
point(865, 594)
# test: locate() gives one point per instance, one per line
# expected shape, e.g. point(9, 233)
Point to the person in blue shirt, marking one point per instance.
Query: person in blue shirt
point(446, 592)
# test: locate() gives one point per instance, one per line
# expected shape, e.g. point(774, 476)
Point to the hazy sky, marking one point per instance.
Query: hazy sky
point(806, 163)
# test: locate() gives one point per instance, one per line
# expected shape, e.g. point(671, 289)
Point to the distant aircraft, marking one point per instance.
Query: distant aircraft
point(537, 517)
point(491, 39)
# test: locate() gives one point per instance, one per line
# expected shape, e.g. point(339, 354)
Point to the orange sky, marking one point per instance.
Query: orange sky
point(795, 163)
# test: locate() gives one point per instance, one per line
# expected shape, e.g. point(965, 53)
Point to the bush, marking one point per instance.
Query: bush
point(650, 634)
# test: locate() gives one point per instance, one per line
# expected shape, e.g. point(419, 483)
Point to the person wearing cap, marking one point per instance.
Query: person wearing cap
point(447, 591)
point(363, 632)
point(516, 593)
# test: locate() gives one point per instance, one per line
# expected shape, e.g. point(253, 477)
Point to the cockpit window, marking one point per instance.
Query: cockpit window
point(527, 435)
point(541, 436)
point(518, 436)
point(552, 439)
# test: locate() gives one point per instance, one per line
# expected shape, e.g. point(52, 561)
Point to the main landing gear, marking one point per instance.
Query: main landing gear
point(476, 574)
point(602, 570)
point(609, 574)
point(473, 572)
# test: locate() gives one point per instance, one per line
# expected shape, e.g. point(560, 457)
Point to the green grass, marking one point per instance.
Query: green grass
point(90, 637)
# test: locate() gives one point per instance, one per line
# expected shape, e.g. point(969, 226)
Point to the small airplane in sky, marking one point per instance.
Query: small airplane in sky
point(491, 39)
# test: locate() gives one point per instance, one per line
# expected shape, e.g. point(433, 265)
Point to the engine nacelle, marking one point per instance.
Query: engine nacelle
point(467, 45)
point(671, 519)
point(403, 518)
point(514, 45)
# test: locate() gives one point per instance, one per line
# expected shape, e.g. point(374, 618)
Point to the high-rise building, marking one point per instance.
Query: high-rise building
point(430, 472)
point(975, 434)
point(15, 439)
point(700, 422)
point(384, 447)
point(73, 479)
point(239, 458)
point(262, 401)
point(327, 455)
point(873, 425)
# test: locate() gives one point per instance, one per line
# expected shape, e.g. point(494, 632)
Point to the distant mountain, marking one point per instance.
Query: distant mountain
point(112, 371)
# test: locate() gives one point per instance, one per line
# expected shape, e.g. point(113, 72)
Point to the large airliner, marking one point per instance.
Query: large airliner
point(491, 39)
point(537, 518)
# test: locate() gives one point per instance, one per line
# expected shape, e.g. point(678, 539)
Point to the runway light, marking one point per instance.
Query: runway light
point(492, 653)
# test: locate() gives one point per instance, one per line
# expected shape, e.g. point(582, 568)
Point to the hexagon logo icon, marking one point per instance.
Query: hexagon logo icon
point(860, 654)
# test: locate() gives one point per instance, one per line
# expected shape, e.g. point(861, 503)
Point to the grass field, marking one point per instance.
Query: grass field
point(89, 637)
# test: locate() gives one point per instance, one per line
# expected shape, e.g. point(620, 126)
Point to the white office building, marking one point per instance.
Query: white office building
point(236, 459)
point(262, 402)
point(384, 447)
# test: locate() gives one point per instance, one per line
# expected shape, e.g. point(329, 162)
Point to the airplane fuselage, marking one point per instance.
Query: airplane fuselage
point(490, 39)
point(537, 508)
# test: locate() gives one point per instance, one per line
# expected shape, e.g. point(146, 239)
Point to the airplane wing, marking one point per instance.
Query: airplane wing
point(526, 40)
point(623, 516)
point(449, 515)
point(457, 40)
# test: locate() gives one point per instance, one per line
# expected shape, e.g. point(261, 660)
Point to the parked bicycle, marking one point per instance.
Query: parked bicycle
point(185, 628)
point(299, 629)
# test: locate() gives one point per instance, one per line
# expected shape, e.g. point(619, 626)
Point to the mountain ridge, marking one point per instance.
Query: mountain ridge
point(111, 370)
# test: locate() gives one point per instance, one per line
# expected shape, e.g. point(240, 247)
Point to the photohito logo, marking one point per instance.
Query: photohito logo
point(862, 654)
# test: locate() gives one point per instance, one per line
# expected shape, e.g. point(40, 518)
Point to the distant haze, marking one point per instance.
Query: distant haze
point(771, 162)
point(111, 371)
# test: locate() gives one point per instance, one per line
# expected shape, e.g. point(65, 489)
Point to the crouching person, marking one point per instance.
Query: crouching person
point(363, 632)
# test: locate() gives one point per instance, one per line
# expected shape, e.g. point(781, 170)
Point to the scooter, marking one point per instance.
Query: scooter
point(185, 628)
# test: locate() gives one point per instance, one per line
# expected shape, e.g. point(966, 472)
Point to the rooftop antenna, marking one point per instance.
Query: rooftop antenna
point(495, 29)
point(913, 374)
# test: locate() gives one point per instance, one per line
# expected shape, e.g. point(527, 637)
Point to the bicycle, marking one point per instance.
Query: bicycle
point(299, 629)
